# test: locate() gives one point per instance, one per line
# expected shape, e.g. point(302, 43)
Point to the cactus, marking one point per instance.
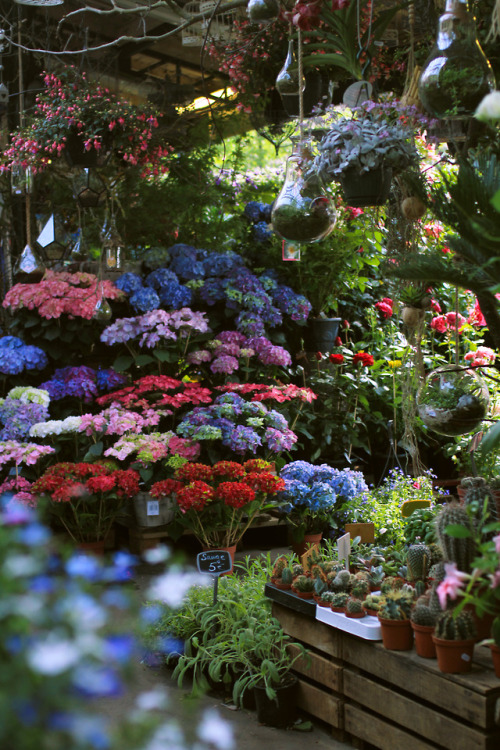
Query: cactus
point(478, 499)
point(420, 588)
point(339, 599)
point(317, 571)
point(391, 583)
point(279, 565)
point(303, 584)
point(287, 575)
point(353, 606)
point(320, 586)
point(436, 553)
point(342, 581)
point(460, 627)
point(327, 597)
point(360, 589)
point(422, 615)
point(395, 605)
point(418, 561)
point(455, 549)
point(297, 570)
point(372, 601)
point(434, 603)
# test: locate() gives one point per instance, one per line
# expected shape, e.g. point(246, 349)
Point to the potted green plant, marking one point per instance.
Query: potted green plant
point(363, 152)
point(394, 617)
point(454, 638)
point(267, 670)
point(415, 300)
point(423, 620)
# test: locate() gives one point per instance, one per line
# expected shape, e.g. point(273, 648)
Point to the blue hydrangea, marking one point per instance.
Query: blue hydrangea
point(298, 470)
point(175, 295)
point(161, 277)
point(144, 300)
point(261, 232)
point(256, 211)
point(129, 282)
point(220, 264)
point(187, 268)
point(250, 324)
point(10, 342)
point(212, 291)
point(34, 358)
point(11, 363)
point(108, 380)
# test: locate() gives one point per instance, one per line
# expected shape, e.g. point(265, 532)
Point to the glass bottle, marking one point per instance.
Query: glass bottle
point(302, 211)
point(260, 11)
point(287, 81)
point(112, 245)
point(456, 75)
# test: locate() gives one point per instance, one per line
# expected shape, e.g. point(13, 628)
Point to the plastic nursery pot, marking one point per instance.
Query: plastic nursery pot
point(320, 334)
point(397, 635)
point(424, 645)
point(280, 712)
point(454, 657)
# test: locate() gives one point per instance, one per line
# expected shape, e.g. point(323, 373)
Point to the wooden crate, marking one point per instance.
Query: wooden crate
point(395, 699)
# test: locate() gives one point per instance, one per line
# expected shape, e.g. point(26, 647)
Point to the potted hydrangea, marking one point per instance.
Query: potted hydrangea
point(363, 151)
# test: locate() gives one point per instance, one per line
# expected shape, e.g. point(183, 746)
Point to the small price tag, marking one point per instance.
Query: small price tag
point(153, 508)
point(215, 562)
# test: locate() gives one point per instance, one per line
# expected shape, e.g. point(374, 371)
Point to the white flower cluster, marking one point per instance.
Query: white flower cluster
point(55, 427)
point(28, 395)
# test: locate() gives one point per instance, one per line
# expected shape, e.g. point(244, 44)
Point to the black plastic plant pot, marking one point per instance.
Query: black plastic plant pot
point(280, 712)
point(368, 189)
point(320, 334)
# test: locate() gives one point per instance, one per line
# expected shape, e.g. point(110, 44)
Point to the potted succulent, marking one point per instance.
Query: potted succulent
point(338, 601)
point(423, 620)
point(454, 638)
point(282, 574)
point(371, 604)
point(363, 152)
point(415, 301)
point(394, 616)
point(303, 586)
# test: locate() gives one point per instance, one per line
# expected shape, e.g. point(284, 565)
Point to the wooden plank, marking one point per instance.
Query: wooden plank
point(310, 632)
point(322, 705)
point(319, 669)
point(426, 722)
point(473, 697)
point(379, 733)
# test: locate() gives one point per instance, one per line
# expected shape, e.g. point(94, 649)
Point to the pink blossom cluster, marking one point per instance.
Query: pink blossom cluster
point(117, 421)
point(11, 451)
point(153, 447)
point(448, 322)
point(62, 293)
point(262, 392)
point(482, 356)
point(476, 317)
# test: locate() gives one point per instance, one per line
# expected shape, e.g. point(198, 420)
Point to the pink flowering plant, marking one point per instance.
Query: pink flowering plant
point(481, 587)
point(17, 455)
point(73, 106)
point(58, 311)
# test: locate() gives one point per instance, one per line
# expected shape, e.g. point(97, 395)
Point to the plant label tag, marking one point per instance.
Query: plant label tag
point(344, 548)
point(153, 508)
point(307, 559)
point(290, 250)
point(214, 561)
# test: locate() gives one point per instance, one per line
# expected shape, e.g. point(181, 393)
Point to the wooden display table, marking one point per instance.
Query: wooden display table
point(390, 699)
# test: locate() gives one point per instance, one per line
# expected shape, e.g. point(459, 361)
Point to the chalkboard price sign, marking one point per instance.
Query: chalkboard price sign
point(215, 561)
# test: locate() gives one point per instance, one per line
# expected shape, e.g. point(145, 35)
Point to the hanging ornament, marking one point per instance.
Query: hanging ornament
point(112, 245)
point(302, 211)
point(79, 251)
point(53, 240)
point(102, 311)
point(29, 263)
point(456, 75)
point(288, 81)
point(21, 180)
point(453, 401)
point(260, 11)
point(88, 188)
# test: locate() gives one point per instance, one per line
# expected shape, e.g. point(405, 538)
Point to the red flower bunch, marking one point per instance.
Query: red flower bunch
point(476, 317)
point(385, 307)
point(152, 391)
point(366, 360)
point(336, 359)
point(262, 392)
point(218, 503)
point(85, 498)
point(448, 322)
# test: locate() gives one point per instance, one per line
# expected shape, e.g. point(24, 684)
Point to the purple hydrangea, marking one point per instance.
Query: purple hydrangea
point(250, 323)
point(212, 291)
point(224, 364)
point(243, 439)
point(17, 418)
point(79, 382)
point(108, 380)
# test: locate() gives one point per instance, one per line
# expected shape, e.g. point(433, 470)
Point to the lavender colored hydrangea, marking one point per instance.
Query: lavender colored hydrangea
point(17, 418)
point(78, 382)
point(224, 364)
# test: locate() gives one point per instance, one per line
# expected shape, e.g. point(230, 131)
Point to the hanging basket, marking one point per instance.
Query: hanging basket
point(368, 189)
point(452, 401)
point(76, 155)
point(320, 334)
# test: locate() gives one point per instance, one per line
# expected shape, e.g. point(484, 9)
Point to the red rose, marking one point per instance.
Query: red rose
point(337, 359)
point(365, 359)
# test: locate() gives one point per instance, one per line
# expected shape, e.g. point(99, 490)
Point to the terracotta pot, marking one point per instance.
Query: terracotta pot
point(495, 655)
point(341, 610)
point(309, 540)
point(280, 585)
point(454, 657)
point(397, 635)
point(424, 644)
point(96, 547)
point(371, 612)
point(355, 614)
point(320, 602)
point(483, 624)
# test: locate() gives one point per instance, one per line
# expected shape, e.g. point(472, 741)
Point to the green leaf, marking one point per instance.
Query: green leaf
point(144, 359)
point(122, 363)
point(495, 201)
point(164, 356)
point(94, 451)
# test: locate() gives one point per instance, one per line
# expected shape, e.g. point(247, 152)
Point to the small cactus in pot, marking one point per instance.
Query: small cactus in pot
point(339, 600)
point(371, 604)
point(454, 638)
point(422, 621)
point(418, 562)
point(451, 627)
point(342, 581)
point(303, 586)
point(354, 607)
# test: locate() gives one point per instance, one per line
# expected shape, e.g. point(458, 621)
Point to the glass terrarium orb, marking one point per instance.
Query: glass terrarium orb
point(453, 401)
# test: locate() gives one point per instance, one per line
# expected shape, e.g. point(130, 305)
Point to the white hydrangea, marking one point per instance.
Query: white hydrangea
point(29, 395)
point(55, 427)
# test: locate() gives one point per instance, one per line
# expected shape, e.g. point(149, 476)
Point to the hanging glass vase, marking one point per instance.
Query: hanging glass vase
point(260, 11)
point(453, 401)
point(302, 211)
point(287, 81)
point(456, 75)
point(112, 245)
